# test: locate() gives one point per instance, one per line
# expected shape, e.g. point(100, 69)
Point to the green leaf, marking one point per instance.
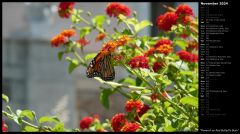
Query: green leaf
point(104, 97)
point(90, 56)
point(147, 117)
point(59, 127)
point(49, 119)
point(181, 43)
point(168, 126)
point(28, 113)
point(132, 21)
point(193, 101)
point(170, 110)
point(60, 55)
point(138, 81)
point(166, 104)
point(99, 20)
point(5, 98)
point(128, 81)
point(142, 25)
point(72, 65)
point(30, 129)
point(85, 31)
point(126, 32)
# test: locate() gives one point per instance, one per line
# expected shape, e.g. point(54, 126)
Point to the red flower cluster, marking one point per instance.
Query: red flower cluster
point(149, 52)
point(186, 56)
point(143, 110)
point(118, 121)
point(184, 9)
point(139, 62)
point(162, 42)
point(130, 127)
point(133, 105)
point(83, 42)
point(100, 37)
point(87, 121)
point(157, 66)
point(4, 128)
point(65, 9)
point(62, 38)
point(185, 19)
point(114, 9)
point(154, 97)
point(182, 15)
point(166, 21)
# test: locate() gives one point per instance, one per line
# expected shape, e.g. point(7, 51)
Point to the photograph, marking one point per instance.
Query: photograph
point(100, 66)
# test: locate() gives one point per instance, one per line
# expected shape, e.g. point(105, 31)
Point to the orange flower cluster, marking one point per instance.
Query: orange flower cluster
point(62, 38)
point(165, 49)
point(110, 46)
point(100, 37)
point(162, 46)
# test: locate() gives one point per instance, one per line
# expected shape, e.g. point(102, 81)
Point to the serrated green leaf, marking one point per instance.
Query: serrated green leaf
point(85, 31)
point(90, 56)
point(104, 97)
point(72, 65)
point(59, 127)
point(30, 129)
point(60, 55)
point(99, 20)
point(193, 101)
point(49, 119)
point(5, 98)
point(142, 25)
point(28, 113)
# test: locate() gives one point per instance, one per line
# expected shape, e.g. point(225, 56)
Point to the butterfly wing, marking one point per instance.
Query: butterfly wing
point(101, 66)
point(107, 69)
point(93, 68)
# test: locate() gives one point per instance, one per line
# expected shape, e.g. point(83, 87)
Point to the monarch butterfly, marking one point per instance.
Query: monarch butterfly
point(101, 66)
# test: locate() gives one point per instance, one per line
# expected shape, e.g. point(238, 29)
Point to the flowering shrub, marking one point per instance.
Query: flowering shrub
point(163, 70)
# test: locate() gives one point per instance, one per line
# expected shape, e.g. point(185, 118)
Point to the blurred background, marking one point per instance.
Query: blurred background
point(34, 78)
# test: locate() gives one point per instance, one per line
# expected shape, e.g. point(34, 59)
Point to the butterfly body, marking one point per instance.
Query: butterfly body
point(101, 67)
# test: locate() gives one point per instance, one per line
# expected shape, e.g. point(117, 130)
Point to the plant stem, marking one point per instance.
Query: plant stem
point(79, 58)
point(25, 122)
